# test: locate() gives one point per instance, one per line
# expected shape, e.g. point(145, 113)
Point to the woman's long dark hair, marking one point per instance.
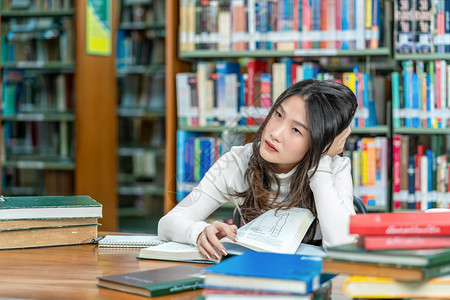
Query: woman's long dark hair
point(330, 109)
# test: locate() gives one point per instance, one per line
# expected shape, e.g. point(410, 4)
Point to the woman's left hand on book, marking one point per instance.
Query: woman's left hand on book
point(208, 242)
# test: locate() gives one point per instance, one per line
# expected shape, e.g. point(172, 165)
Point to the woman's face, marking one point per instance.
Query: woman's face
point(285, 139)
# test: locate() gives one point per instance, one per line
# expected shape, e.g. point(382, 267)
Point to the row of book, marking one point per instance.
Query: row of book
point(36, 5)
point(195, 156)
point(142, 164)
point(220, 94)
point(138, 48)
point(280, 25)
point(140, 132)
point(36, 41)
point(370, 166)
point(48, 221)
point(36, 181)
point(424, 100)
point(422, 26)
point(397, 255)
point(51, 141)
point(25, 91)
point(420, 172)
point(142, 12)
point(142, 91)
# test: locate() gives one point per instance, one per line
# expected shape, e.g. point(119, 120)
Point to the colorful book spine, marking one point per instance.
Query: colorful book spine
point(401, 224)
point(411, 183)
point(396, 170)
point(385, 242)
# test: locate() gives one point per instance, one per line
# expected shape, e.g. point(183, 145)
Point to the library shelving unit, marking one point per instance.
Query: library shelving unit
point(183, 61)
point(59, 127)
point(419, 134)
point(37, 65)
point(140, 108)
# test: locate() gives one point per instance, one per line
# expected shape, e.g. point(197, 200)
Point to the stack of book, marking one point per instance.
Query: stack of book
point(264, 275)
point(398, 255)
point(38, 221)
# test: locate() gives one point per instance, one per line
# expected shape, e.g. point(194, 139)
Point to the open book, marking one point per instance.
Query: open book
point(274, 231)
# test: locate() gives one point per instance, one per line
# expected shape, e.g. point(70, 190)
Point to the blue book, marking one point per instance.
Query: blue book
point(289, 62)
point(316, 20)
point(447, 25)
point(369, 101)
point(183, 173)
point(406, 90)
point(205, 156)
point(428, 83)
point(242, 93)
point(227, 67)
point(265, 271)
point(415, 101)
point(345, 25)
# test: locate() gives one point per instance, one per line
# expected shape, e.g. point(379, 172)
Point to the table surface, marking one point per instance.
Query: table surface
point(71, 272)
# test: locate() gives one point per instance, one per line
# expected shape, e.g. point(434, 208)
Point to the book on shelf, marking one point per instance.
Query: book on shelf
point(379, 287)
point(157, 282)
point(49, 207)
point(279, 273)
point(129, 241)
point(401, 223)
point(297, 25)
point(403, 257)
point(391, 270)
point(280, 232)
point(43, 237)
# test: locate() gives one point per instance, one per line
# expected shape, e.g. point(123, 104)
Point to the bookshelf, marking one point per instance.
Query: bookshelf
point(140, 108)
point(37, 65)
point(184, 61)
point(84, 110)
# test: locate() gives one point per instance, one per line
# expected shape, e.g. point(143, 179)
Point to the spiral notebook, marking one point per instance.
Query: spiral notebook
point(129, 241)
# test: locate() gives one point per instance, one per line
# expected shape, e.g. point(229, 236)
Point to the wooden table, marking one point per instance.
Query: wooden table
point(70, 272)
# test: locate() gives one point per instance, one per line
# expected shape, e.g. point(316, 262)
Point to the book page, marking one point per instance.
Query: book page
point(280, 232)
point(175, 247)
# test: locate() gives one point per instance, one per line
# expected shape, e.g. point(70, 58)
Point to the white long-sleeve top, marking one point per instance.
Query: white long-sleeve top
point(331, 184)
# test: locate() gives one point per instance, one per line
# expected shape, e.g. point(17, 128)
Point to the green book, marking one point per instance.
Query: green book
point(417, 258)
point(49, 207)
point(156, 282)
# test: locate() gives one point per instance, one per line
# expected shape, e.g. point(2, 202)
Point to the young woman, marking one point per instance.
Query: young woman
point(293, 161)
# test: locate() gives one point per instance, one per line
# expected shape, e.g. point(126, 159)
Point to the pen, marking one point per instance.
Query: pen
point(97, 239)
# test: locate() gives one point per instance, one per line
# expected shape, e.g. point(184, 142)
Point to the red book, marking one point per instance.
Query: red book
point(401, 223)
point(417, 184)
point(254, 70)
point(385, 242)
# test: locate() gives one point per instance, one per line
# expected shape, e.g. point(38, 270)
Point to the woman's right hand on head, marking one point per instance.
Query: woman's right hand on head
point(208, 242)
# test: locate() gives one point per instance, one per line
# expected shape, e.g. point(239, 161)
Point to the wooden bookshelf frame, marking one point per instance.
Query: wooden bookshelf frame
point(96, 121)
point(173, 66)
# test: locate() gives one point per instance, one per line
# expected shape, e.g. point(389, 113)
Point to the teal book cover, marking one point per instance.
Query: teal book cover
point(401, 257)
point(156, 282)
point(44, 207)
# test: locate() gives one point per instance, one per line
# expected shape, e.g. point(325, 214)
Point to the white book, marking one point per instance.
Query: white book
point(274, 231)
